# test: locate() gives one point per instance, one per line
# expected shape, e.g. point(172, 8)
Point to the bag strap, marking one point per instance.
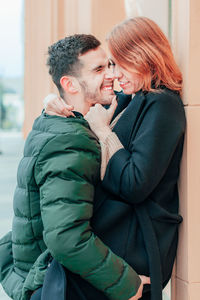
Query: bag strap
point(55, 283)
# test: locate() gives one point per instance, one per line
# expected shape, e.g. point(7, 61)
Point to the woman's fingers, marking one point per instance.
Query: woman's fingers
point(55, 105)
point(145, 279)
point(66, 109)
point(112, 107)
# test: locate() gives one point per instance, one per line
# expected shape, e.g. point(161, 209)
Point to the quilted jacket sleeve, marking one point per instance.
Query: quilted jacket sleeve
point(10, 280)
point(134, 173)
point(66, 171)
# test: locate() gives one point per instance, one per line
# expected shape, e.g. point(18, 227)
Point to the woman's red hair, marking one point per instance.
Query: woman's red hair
point(139, 45)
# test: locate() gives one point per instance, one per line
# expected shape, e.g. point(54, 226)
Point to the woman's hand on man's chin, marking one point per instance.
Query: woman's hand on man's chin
point(99, 119)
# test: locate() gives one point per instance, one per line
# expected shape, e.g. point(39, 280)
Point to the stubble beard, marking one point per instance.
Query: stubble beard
point(93, 97)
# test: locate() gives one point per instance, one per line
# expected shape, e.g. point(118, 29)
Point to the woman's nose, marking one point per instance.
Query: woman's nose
point(117, 72)
point(109, 73)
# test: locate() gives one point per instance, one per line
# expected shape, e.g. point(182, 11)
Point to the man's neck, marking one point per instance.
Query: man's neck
point(80, 105)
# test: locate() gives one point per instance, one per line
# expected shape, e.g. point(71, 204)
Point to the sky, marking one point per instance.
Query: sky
point(11, 38)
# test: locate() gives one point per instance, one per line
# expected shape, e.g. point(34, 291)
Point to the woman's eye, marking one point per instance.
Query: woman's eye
point(111, 64)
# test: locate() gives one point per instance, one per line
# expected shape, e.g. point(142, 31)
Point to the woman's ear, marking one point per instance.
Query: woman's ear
point(69, 84)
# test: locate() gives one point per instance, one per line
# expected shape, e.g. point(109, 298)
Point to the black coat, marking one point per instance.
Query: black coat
point(136, 205)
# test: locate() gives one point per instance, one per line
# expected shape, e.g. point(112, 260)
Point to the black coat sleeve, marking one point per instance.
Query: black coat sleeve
point(134, 173)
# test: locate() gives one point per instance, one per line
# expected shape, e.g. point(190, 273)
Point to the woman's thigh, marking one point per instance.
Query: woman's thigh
point(146, 296)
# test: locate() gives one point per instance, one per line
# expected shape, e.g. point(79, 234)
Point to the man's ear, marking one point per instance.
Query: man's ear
point(69, 84)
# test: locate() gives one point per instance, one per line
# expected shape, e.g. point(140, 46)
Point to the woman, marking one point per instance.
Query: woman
point(141, 151)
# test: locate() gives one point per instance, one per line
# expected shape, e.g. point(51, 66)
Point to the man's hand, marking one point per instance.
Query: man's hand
point(56, 106)
point(99, 118)
point(145, 280)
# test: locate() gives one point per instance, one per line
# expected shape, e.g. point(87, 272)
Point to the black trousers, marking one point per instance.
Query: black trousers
point(146, 296)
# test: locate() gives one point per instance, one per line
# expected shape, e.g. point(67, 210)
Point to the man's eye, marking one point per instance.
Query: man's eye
point(99, 69)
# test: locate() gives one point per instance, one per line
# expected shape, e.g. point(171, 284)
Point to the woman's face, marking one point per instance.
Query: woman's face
point(129, 81)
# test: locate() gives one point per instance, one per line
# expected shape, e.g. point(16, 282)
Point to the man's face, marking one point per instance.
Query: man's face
point(96, 77)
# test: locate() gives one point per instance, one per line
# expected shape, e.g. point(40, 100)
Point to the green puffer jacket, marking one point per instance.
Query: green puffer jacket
point(53, 205)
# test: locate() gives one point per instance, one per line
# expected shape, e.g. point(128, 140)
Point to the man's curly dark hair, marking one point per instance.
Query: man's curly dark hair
point(63, 56)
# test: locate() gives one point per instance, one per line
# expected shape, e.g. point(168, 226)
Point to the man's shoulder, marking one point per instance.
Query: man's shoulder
point(59, 125)
point(59, 132)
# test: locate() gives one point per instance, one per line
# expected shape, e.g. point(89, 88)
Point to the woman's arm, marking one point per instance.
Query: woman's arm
point(99, 120)
point(133, 174)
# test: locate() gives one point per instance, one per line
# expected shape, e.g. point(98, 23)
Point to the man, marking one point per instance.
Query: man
point(53, 201)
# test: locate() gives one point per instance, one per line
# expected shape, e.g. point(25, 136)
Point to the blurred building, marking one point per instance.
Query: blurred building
point(49, 20)
point(11, 103)
point(14, 106)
